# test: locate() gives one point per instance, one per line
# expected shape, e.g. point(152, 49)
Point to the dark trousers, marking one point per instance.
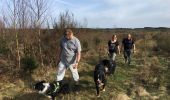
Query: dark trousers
point(127, 56)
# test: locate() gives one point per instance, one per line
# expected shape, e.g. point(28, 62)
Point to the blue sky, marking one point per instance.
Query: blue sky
point(115, 13)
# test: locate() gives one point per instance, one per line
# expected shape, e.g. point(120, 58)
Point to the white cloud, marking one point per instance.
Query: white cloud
point(64, 2)
point(122, 13)
point(132, 13)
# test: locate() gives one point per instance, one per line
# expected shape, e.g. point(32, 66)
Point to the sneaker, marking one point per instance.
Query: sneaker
point(98, 95)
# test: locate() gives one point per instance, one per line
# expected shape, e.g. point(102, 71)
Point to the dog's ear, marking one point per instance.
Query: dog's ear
point(42, 81)
point(38, 82)
point(57, 82)
point(105, 62)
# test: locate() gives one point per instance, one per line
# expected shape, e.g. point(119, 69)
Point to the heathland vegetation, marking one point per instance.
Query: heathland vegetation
point(29, 49)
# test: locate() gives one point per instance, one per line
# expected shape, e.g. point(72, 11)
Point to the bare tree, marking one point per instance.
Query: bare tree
point(66, 20)
point(22, 13)
point(12, 5)
point(17, 17)
point(38, 12)
point(2, 26)
point(85, 23)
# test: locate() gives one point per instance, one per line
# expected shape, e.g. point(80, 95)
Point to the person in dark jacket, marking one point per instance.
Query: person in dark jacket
point(128, 44)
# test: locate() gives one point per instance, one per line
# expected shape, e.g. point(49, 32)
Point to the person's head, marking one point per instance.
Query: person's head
point(114, 37)
point(129, 36)
point(68, 34)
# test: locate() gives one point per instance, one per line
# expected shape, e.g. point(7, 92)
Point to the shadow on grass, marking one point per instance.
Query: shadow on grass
point(84, 73)
point(92, 61)
point(71, 87)
point(86, 85)
point(29, 96)
point(27, 79)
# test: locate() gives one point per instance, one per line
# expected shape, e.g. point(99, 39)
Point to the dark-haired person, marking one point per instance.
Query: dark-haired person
point(69, 56)
point(128, 44)
point(113, 48)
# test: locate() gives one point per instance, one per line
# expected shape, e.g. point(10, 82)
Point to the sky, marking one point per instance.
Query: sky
point(115, 13)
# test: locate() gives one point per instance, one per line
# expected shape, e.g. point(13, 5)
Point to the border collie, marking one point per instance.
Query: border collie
point(48, 89)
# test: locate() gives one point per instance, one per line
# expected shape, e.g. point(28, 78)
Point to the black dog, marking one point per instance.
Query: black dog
point(100, 78)
point(105, 67)
point(48, 89)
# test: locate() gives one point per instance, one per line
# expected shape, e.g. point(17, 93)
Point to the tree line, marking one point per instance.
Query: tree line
point(27, 31)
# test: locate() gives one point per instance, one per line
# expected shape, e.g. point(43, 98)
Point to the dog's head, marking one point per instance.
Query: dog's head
point(42, 87)
point(107, 63)
point(47, 88)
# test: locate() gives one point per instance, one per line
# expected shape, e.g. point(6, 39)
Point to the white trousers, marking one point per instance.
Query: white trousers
point(61, 72)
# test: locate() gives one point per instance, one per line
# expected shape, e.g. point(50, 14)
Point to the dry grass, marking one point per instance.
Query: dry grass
point(145, 73)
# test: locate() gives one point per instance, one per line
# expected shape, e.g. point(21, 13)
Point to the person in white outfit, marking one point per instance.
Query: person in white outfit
point(69, 56)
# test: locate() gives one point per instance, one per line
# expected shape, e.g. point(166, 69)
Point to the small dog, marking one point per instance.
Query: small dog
point(100, 78)
point(48, 89)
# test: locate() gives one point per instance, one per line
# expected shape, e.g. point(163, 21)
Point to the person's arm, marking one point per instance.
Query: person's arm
point(59, 55)
point(78, 54)
point(78, 57)
point(59, 52)
point(134, 48)
point(108, 45)
point(118, 47)
point(122, 45)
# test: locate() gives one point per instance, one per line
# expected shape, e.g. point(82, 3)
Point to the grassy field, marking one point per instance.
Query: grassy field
point(147, 78)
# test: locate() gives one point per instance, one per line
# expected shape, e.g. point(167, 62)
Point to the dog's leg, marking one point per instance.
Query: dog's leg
point(97, 89)
point(114, 70)
point(53, 98)
point(104, 84)
point(103, 88)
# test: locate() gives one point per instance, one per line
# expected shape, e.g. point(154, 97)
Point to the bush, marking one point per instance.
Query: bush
point(85, 45)
point(97, 41)
point(3, 47)
point(163, 42)
point(29, 64)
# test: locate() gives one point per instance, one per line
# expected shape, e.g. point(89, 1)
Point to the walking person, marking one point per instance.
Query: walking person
point(69, 56)
point(113, 48)
point(128, 44)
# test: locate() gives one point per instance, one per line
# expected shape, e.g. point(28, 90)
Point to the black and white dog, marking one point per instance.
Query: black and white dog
point(48, 89)
point(100, 78)
point(105, 67)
